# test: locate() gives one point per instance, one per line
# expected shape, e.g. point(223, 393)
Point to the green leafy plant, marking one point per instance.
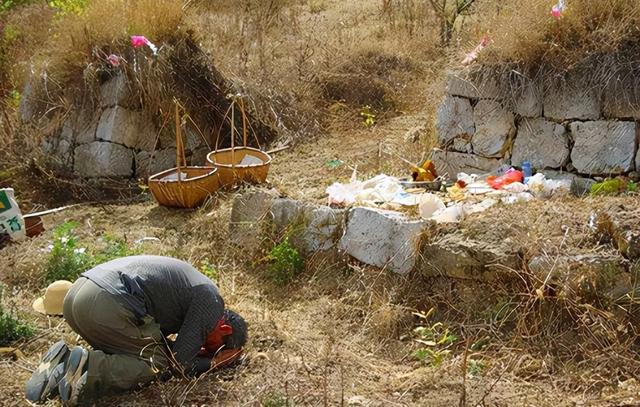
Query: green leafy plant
point(6, 5)
point(476, 367)
point(11, 327)
point(67, 259)
point(274, 400)
point(368, 116)
point(114, 248)
point(285, 261)
point(434, 338)
point(69, 6)
point(208, 270)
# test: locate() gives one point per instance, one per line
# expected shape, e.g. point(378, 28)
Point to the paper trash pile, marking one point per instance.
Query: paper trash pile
point(470, 194)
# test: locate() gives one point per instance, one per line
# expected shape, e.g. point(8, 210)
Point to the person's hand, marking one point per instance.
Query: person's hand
point(226, 358)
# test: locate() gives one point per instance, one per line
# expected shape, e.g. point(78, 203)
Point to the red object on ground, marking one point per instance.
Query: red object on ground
point(510, 177)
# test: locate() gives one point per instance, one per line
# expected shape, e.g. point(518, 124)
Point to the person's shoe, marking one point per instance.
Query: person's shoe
point(54, 380)
point(38, 387)
point(74, 377)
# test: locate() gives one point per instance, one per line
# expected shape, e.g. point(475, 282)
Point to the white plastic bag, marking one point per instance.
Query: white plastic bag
point(429, 204)
point(11, 221)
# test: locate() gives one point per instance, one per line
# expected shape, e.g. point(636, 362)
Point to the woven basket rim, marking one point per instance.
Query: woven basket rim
point(157, 177)
point(212, 153)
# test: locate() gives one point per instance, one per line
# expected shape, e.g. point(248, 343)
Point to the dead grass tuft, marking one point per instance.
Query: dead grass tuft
point(596, 40)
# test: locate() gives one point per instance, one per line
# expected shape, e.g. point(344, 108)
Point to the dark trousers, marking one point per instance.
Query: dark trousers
point(125, 355)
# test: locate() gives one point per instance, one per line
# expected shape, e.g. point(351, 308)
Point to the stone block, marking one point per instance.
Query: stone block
point(152, 163)
point(459, 85)
point(545, 144)
point(116, 91)
point(103, 159)
point(569, 102)
point(324, 228)
point(603, 147)
point(288, 214)
point(494, 127)
point(454, 119)
point(199, 156)
point(528, 101)
point(250, 217)
point(621, 98)
point(452, 163)
point(455, 256)
point(127, 127)
point(382, 238)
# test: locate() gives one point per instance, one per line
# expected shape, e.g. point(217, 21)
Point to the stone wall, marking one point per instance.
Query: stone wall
point(115, 138)
point(572, 128)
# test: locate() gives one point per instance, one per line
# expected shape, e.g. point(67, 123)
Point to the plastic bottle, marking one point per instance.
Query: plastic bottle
point(527, 171)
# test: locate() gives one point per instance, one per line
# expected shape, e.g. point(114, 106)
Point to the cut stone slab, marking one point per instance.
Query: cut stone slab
point(454, 119)
point(455, 256)
point(310, 228)
point(452, 163)
point(288, 216)
point(116, 91)
point(324, 228)
point(382, 238)
point(621, 98)
point(148, 164)
point(127, 127)
point(103, 159)
point(528, 102)
point(571, 103)
point(586, 276)
point(250, 217)
point(603, 147)
point(459, 85)
point(545, 144)
point(494, 127)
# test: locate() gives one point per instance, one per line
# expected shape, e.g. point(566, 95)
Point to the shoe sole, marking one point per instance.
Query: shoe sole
point(37, 388)
point(72, 373)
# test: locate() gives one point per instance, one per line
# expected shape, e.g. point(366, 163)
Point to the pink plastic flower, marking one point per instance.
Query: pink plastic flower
point(556, 12)
point(138, 41)
point(114, 60)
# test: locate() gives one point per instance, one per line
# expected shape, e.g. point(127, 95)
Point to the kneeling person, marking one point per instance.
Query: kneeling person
point(125, 309)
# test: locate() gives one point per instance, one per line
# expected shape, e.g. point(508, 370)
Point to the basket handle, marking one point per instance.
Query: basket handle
point(233, 134)
point(180, 157)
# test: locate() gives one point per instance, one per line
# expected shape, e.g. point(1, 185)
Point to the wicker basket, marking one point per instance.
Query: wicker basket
point(230, 171)
point(188, 192)
point(182, 186)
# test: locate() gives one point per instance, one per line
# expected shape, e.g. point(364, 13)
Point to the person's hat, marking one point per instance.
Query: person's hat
point(51, 303)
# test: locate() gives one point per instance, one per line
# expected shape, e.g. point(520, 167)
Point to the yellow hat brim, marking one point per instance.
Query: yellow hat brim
point(38, 306)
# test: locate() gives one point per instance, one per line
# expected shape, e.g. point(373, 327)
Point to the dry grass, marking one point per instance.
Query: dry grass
point(596, 39)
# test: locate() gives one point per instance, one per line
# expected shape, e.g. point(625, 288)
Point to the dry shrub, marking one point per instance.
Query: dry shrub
point(102, 25)
point(601, 37)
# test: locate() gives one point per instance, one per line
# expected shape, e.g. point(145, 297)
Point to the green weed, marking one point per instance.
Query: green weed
point(11, 327)
point(65, 7)
point(114, 248)
point(435, 339)
point(285, 261)
point(208, 270)
point(67, 260)
point(476, 367)
point(368, 116)
point(274, 400)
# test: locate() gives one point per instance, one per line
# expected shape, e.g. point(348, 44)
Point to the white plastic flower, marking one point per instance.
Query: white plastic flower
point(79, 250)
